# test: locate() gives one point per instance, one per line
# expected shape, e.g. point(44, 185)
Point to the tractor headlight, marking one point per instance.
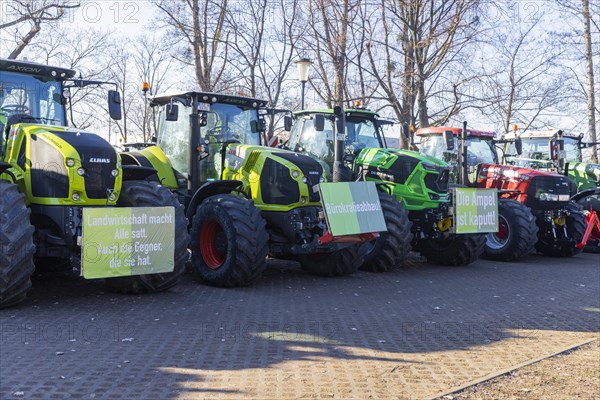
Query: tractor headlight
point(80, 171)
point(429, 167)
point(553, 197)
point(304, 180)
point(112, 197)
point(76, 196)
point(114, 172)
point(295, 174)
point(70, 162)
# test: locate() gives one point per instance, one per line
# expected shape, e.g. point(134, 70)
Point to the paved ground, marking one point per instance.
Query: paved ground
point(411, 333)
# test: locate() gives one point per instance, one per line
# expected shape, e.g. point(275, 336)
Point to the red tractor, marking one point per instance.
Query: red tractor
point(535, 210)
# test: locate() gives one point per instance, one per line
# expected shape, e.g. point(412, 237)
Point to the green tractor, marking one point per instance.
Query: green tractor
point(244, 201)
point(50, 174)
point(418, 182)
point(560, 152)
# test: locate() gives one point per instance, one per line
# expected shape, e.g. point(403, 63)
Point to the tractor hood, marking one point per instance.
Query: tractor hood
point(274, 176)
point(66, 166)
point(585, 175)
point(531, 185)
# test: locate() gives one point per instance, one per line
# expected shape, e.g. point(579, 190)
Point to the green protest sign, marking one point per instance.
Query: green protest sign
point(475, 210)
point(352, 208)
point(127, 241)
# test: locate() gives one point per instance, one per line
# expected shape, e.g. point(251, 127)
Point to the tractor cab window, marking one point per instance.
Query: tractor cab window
point(478, 151)
point(173, 138)
point(305, 138)
point(35, 97)
point(363, 131)
point(536, 152)
point(228, 122)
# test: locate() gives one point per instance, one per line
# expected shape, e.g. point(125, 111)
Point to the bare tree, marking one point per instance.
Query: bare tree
point(200, 23)
point(33, 13)
point(329, 23)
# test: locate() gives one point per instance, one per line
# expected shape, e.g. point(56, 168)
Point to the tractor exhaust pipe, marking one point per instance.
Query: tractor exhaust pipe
point(339, 131)
point(464, 168)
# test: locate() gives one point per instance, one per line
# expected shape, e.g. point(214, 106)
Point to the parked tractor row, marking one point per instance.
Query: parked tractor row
point(207, 191)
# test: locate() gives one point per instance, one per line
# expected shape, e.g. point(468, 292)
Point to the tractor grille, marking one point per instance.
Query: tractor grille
point(277, 185)
point(98, 159)
point(438, 182)
point(547, 184)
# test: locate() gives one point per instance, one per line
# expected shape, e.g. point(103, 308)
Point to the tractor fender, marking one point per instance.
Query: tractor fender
point(585, 193)
point(209, 189)
point(11, 174)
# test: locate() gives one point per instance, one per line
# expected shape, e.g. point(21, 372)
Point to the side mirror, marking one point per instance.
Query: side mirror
point(449, 140)
point(114, 105)
point(519, 145)
point(287, 123)
point(258, 126)
point(172, 111)
point(319, 122)
point(340, 121)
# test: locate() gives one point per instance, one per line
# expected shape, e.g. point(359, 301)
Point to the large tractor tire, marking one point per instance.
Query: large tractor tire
point(16, 246)
point(229, 241)
point(152, 194)
point(517, 233)
point(339, 263)
point(391, 248)
point(454, 251)
point(592, 202)
point(562, 246)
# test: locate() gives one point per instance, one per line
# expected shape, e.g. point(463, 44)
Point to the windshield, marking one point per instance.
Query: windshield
point(359, 131)
point(227, 122)
point(478, 150)
point(37, 97)
point(536, 152)
point(224, 123)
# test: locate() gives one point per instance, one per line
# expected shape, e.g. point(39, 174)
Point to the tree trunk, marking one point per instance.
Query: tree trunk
point(589, 77)
point(25, 41)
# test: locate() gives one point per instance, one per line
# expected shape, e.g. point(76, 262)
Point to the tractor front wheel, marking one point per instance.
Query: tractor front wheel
point(456, 250)
point(391, 248)
point(16, 246)
point(517, 232)
point(152, 194)
point(229, 241)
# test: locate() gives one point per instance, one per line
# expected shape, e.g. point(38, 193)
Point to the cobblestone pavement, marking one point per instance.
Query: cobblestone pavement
point(411, 333)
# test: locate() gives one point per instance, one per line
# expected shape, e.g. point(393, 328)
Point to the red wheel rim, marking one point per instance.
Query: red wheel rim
point(211, 247)
point(502, 231)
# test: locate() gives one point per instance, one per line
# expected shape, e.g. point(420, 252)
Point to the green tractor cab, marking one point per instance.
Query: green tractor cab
point(535, 210)
point(50, 174)
point(244, 201)
point(418, 182)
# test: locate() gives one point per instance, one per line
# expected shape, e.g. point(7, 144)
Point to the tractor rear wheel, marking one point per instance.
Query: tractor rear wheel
point(339, 263)
point(592, 202)
point(391, 248)
point(229, 241)
point(561, 246)
point(517, 232)
point(152, 194)
point(456, 250)
point(16, 246)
